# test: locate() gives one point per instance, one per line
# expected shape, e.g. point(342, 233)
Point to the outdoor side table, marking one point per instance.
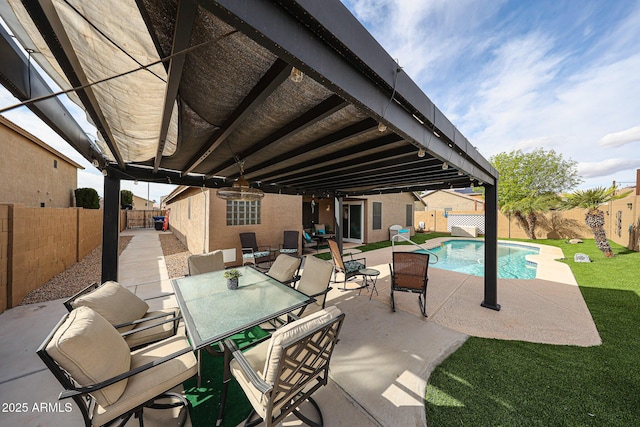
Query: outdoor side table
point(369, 275)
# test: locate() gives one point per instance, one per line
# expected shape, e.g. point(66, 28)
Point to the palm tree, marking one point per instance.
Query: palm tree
point(526, 211)
point(591, 200)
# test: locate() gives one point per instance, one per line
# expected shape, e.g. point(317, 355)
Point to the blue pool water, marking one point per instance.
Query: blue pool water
point(467, 256)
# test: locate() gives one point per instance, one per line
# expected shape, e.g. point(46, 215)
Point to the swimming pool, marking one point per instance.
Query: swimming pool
point(467, 256)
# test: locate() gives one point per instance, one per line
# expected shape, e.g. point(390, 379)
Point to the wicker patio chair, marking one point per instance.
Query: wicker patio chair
point(205, 263)
point(279, 374)
point(251, 252)
point(290, 242)
point(348, 268)
point(409, 274)
point(308, 242)
point(105, 378)
point(128, 313)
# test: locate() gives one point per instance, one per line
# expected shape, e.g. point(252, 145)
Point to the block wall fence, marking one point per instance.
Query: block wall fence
point(38, 243)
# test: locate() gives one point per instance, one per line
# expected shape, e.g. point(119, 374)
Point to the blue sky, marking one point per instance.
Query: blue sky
point(562, 75)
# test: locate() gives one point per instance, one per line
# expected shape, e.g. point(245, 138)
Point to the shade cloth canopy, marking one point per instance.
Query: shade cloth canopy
point(181, 92)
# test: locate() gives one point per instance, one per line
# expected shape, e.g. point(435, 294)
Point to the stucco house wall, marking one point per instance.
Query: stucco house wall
point(32, 173)
point(440, 200)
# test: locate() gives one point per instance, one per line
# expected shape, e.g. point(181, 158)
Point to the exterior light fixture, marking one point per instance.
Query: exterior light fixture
point(445, 166)
point(240, 189)
point(104, 172)
point(460, 173)
point(421, 152)
point(95, 163)
point(296, 75)
point(381, 127)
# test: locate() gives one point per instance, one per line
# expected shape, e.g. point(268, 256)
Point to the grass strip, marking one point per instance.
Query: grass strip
point(514, 383)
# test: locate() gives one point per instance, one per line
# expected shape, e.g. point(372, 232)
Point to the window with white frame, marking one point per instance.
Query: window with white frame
point(240, 212)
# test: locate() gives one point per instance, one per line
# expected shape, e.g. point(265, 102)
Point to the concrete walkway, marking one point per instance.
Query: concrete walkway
point(381, 366)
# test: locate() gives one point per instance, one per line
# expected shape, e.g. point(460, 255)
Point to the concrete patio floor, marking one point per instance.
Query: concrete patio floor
point(381, 366)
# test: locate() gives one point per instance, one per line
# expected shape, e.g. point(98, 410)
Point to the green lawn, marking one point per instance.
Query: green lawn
point(512, 383)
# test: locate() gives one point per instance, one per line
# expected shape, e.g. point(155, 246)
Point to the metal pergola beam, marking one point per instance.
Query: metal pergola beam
point(318, 161)
point(343, 134)
point(44, 15)
point(24, 83)
point(321, 111)
point(187, 11)
point(279, 31)
point(414, 177)
point(271, 80)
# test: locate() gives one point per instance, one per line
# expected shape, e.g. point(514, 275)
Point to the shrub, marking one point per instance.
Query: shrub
point(87, 198)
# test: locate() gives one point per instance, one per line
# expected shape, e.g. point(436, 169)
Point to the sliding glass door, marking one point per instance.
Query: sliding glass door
point(353, 222)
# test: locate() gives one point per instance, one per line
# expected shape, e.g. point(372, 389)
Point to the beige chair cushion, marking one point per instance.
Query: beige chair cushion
point(289, 334)
point(115, 303)
point(315, 278)
point(148, 384)
point(284, 267)
point(256, 357)
point(91, 351)
point(157, 333)
point(205, 263)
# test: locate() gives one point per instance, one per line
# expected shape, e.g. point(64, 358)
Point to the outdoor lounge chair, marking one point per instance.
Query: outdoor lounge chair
point(348, 268)
point(251, 252)
point(314, 282)
point(279, 374)
point(290, 242)
point(409, 274)
point(285, 269)
point(127, 313)
point(308, 242)
point(205, 263)
point(105, 379)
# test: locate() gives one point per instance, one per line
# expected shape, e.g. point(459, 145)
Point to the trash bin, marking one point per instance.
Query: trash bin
point(159, 222)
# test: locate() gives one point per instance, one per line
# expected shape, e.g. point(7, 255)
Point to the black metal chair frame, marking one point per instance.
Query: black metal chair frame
point(338, 261)
point(249, 245)
point(81, 395)
point(422, 291)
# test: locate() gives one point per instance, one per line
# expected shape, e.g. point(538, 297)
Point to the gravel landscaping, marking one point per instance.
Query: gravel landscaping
point(74, 278)
point(175, 255)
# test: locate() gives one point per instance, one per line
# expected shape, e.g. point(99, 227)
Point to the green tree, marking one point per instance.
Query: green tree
point(126, 198)
point(529, 182)
point(87, 198)
point(591, 200)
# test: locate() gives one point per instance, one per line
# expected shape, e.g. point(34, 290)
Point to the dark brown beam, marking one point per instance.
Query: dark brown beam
point(416, 175)
point(187, 11)
point(277, 74)
point(350, 151)
point(349, 132)
point(321, 111)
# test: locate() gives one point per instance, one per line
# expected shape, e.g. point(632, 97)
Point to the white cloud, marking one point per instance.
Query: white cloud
point(618, 139)
point(607, 167)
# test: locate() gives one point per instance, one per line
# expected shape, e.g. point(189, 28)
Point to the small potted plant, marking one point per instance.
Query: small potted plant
point(232, 278)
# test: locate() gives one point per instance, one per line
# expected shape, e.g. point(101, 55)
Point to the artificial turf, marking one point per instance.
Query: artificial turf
point(489, 382)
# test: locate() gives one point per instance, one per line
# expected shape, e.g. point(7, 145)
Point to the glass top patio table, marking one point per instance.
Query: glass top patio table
point(213, 312)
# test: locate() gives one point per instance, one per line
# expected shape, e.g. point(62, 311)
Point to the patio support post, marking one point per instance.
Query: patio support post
point(338, 216)
point(491, 248)
point(110, 229)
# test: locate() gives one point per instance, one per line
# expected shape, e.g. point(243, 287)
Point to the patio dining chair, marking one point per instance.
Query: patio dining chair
point(308, 242)
point(348, 268)
point(285, 269)
point(127, 313)
point(105, 378)
point(279, 374)
point(409, 274)
point(290, 242)
point(251, 252)
point(314, 282)
point(205, 263)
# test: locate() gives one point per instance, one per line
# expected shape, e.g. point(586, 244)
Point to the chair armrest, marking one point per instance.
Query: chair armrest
point(153, 325)
point(246, 367)
point(86, 290)
point(91, 388)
